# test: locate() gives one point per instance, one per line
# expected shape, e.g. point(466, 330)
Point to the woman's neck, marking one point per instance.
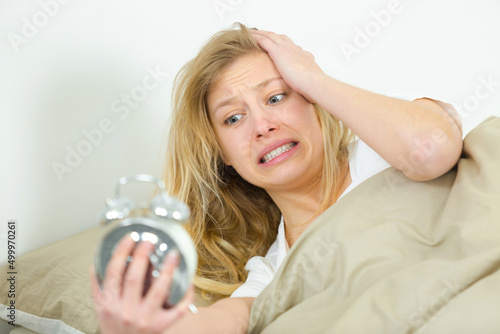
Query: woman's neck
point(301, 207)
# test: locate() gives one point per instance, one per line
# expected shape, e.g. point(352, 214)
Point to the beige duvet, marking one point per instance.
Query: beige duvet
point(397, 256)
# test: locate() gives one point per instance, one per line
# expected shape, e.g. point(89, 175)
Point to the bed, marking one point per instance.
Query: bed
point(400, 257)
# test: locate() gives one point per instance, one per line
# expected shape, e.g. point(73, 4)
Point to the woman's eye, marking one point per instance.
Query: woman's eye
point(232, 119)
point(276, 98)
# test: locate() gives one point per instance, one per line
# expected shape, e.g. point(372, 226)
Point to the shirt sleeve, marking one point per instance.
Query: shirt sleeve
point(261, 271)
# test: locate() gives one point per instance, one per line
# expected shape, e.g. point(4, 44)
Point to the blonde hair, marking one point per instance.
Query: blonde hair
point(231, 219)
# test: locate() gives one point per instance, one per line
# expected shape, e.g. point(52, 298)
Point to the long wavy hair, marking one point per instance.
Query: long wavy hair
point(231, 219)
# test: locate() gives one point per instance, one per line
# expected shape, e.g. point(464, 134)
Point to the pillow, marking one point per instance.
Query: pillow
point(53, 292)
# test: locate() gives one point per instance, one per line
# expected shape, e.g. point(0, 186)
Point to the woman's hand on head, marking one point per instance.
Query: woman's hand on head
point(296, 66)
point(120, 304)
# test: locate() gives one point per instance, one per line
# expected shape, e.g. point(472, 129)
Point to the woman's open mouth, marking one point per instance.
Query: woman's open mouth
point(277, 152)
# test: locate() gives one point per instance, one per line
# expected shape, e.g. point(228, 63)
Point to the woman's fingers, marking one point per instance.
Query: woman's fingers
point(268, 44)
point(272, 42)
point(173, 314)
point(115, 269)
point(183, 305)
point(96, 290)
point(158, 294)
point(269, 40)
point(120, 304)
point(296, 66)
point(273, 37)
point(160, 289)
point(133, 284)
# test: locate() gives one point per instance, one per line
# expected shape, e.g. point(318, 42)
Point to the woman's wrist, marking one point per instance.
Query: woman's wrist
point(326, 91)
point(314, 87)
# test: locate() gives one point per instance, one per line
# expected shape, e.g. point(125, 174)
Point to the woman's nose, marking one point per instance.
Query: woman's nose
point(264, 122)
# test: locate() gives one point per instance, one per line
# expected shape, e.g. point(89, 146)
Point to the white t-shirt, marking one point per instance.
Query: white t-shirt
point(363, 163)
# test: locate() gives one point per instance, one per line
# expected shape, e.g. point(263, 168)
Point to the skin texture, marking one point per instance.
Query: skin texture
point(417, 137)
point(259, 123)
point(120, 305)
point(250, 116)
point(252, 111)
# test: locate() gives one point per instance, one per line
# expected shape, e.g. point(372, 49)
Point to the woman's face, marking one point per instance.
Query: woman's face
point(267, 132)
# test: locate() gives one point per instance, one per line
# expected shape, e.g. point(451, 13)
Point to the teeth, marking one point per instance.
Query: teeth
point(274, 153)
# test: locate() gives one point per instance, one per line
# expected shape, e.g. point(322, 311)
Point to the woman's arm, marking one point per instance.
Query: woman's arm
point(419, 137)
point(122, 308)
point(230, 315)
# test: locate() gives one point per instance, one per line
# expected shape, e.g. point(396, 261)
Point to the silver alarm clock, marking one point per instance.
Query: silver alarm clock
point(160, 223)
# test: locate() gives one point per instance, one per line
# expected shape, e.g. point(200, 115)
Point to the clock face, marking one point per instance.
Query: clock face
point(166, 235)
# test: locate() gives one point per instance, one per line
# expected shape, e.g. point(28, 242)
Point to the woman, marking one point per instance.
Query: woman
point(260, 145)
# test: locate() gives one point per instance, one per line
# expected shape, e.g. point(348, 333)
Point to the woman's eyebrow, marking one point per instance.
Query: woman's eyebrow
point(232, 99)
point(266, 82)
point(224, 103)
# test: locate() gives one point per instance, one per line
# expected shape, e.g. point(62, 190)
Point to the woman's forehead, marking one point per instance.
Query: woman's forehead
point(252, 72)
point(254, 66)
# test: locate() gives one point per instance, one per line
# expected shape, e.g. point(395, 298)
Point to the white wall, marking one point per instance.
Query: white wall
point(61, 74)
